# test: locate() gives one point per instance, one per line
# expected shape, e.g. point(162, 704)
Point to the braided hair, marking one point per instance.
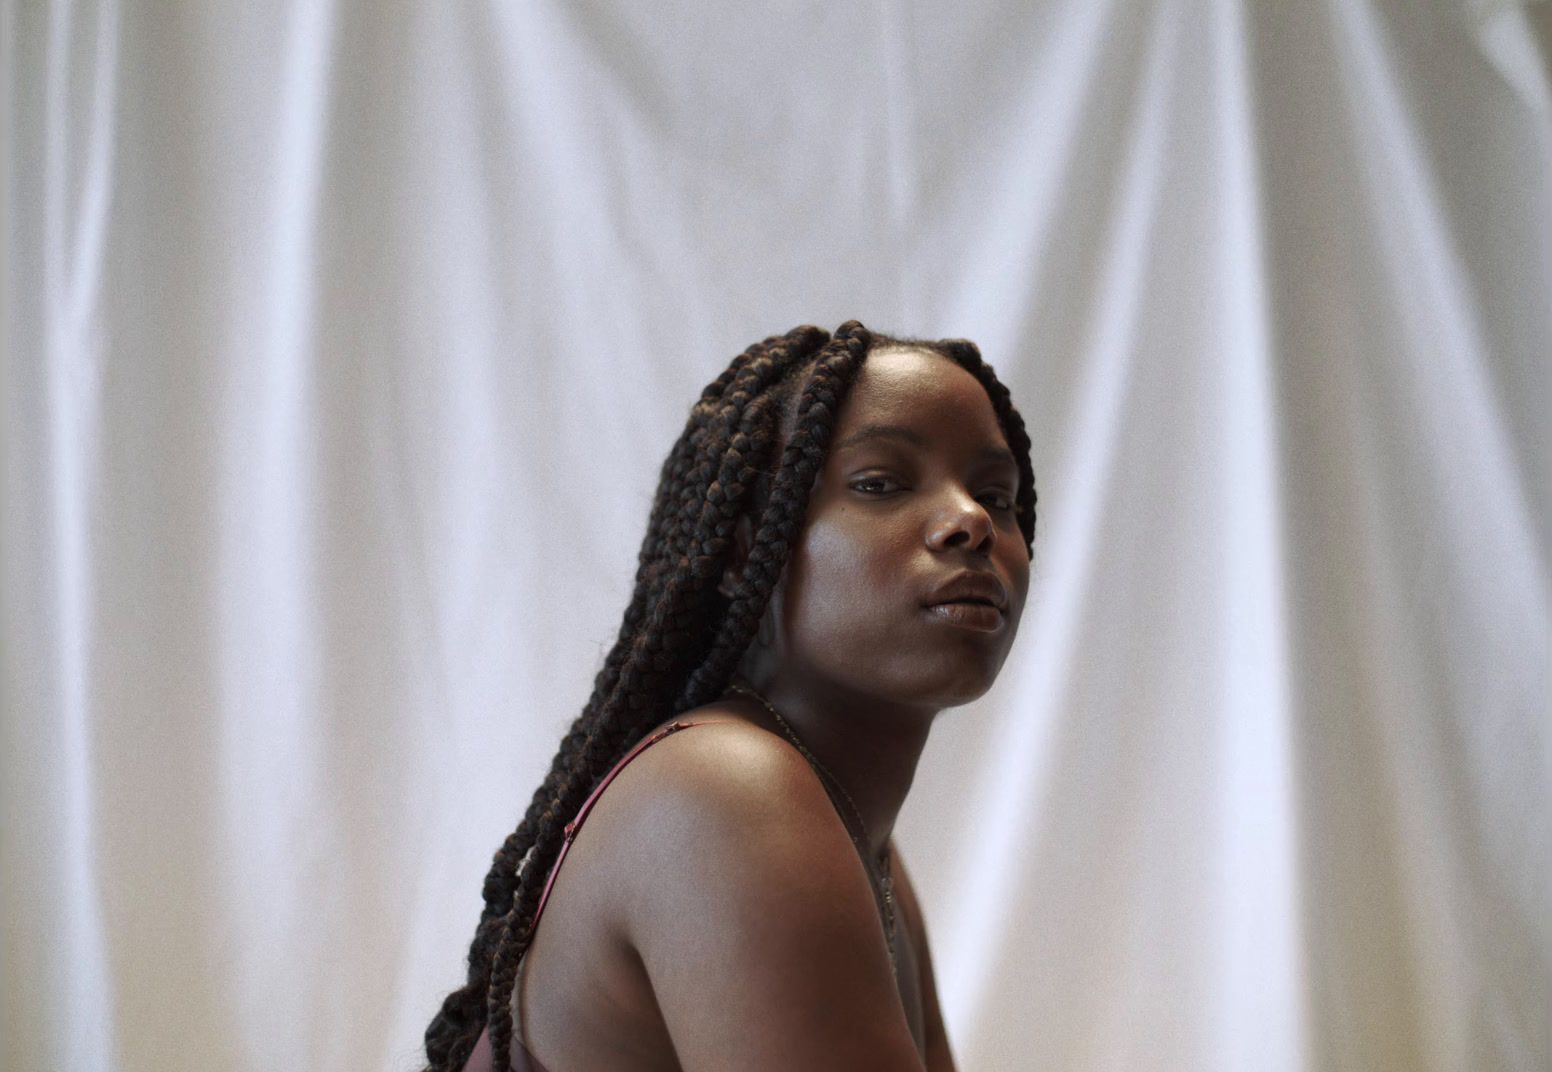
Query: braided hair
point(753, 445)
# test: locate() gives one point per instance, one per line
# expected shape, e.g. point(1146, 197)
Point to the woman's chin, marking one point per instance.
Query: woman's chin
point(955, 686)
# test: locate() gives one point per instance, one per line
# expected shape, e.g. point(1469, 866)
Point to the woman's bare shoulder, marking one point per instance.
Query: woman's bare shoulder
point(722, 768)
point(739, 886)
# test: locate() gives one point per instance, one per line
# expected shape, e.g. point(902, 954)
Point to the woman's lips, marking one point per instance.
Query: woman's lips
point(979, 616)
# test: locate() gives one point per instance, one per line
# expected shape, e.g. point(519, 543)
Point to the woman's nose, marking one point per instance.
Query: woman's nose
point(963, 521)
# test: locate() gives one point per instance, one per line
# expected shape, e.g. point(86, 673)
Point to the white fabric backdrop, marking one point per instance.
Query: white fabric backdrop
point(343, 342)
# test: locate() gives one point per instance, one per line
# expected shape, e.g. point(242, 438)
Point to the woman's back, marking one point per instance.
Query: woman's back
point(660, 890)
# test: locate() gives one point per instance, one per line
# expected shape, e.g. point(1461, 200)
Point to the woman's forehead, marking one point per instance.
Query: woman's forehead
point(918, 388)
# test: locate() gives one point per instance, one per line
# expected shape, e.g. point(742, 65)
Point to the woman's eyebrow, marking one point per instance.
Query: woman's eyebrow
point(910, 435)
point(882, 431)
point(998, 454)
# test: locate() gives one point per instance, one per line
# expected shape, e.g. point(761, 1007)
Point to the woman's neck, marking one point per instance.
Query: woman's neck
point(870, 747)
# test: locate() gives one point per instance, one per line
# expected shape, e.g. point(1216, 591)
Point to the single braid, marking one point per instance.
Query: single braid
point(654, 656)
point(833, 373)
point(680, 639)
point(640, 699)
point(452, 1034)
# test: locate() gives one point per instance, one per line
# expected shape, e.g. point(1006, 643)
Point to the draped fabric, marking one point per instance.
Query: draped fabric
point(343, 343)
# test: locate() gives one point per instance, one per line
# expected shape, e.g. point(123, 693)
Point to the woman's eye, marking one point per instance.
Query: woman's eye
point(1000, 501)
point(868, 484)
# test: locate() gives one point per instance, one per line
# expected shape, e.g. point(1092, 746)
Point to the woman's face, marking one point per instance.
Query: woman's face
point(918, 488)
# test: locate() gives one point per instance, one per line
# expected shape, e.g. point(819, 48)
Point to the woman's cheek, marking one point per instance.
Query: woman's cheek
point(840, 583)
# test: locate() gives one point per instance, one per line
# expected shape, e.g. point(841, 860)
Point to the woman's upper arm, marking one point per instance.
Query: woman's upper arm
point(939, 1057)
point(754, 916)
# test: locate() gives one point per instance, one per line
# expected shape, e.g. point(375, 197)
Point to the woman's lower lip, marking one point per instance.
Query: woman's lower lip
point(980, 616)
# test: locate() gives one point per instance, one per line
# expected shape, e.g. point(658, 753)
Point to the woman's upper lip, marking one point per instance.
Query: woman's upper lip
point(971, 586)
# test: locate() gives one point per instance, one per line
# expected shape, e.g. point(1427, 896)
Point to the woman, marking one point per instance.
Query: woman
point(838, 551)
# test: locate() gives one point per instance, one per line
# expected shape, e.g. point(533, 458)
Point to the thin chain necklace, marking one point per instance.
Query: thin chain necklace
point(885, 869)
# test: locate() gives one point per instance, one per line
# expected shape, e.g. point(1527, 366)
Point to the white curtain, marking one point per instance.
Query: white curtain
point(343, 342)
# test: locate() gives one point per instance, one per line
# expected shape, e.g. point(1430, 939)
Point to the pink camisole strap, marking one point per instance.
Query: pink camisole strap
point(523, 1061)
point(592, 798)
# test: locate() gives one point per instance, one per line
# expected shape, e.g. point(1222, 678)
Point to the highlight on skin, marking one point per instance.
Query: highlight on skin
point(753, 445)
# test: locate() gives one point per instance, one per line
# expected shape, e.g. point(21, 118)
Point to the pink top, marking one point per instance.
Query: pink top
point(523, 1061)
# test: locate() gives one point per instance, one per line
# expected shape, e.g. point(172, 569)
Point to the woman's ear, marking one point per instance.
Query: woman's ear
point(743, 540)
